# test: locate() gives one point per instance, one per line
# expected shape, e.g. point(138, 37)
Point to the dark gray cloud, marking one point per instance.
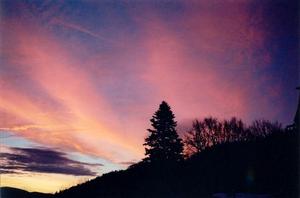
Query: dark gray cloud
point(43, 160)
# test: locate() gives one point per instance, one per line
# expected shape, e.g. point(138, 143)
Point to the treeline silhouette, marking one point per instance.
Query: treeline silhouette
point(210, 132)
point(214, 156)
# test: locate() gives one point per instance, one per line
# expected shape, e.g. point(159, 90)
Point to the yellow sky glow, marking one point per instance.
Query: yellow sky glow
point(41, 182)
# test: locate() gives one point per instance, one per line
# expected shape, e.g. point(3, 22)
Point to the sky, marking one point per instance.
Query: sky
point(80, 80)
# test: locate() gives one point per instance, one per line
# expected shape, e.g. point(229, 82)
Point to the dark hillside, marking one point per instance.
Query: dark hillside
point(8, 192)
point(268, 166)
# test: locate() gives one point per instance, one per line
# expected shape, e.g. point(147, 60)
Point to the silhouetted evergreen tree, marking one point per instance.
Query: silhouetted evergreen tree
point(163, 142)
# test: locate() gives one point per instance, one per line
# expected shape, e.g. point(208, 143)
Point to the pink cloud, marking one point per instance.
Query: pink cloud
point(208, 67)
point(99, 102)
point(90, 121)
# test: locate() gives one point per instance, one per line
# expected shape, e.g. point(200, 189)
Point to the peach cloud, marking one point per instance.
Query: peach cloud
point(87, 126)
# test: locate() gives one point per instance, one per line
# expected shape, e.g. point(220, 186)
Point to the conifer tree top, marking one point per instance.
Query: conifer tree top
point(163, 142)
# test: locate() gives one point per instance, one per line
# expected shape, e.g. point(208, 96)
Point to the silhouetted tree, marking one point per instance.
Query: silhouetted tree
point(212, 128)
point(263, 128)
point(234, 130)
point(210, 131)
point(195, 139)
point(163, 142)
point(205, 133)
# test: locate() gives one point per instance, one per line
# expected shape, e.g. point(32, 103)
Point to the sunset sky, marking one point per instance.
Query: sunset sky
point(79, 80)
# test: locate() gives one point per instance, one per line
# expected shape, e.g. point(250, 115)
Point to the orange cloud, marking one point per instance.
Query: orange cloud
point(88, 126)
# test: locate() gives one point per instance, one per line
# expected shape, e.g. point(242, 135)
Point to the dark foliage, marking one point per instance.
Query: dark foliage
point(210, 132)
point(268, 166)
point(228, 157)
point(163, 143)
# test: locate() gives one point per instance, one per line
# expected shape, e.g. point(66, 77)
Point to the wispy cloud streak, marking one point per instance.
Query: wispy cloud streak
point(78, 28)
